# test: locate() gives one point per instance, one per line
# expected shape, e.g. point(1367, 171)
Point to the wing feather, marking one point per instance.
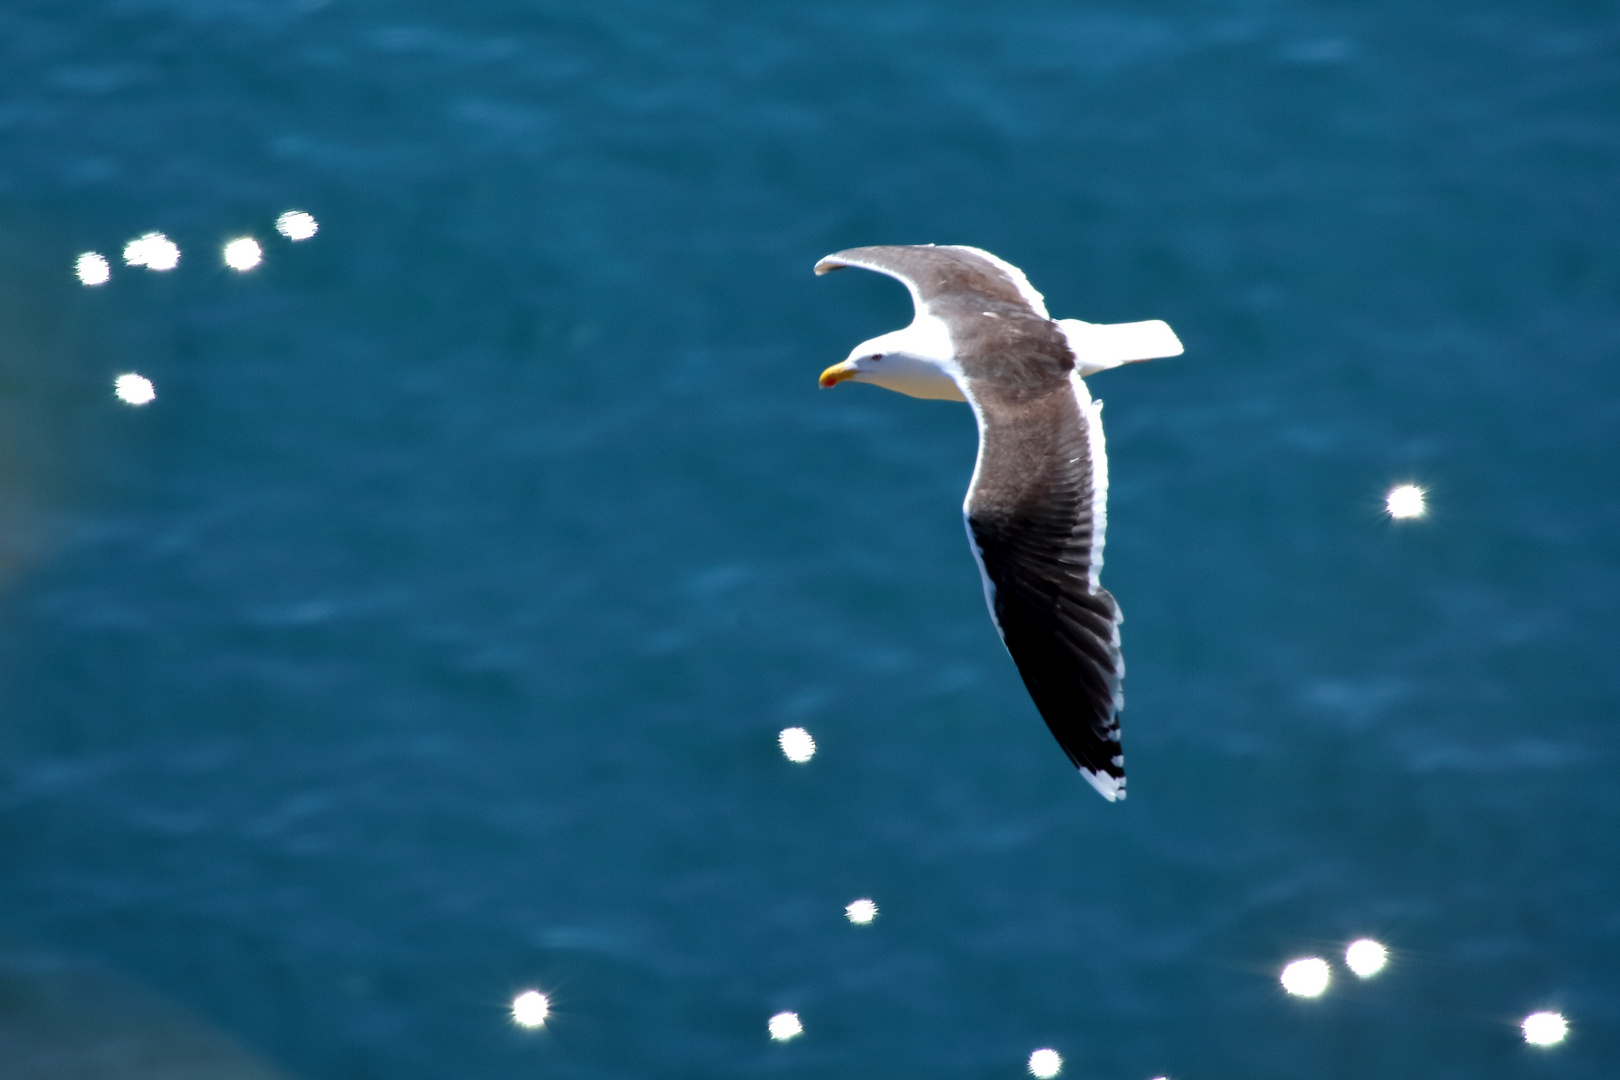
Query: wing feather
point(1036, 525)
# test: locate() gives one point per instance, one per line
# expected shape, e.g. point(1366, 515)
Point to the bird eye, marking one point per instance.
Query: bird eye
point(875, 356)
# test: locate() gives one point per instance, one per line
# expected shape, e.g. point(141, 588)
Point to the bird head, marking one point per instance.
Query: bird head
point(917, 361)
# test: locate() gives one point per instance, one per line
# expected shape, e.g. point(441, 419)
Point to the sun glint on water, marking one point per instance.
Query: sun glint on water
point(797, 745)
point(1307, 978)
point(1366, 957)
point(1544, 1028)
point(243, 254)
point(1045, 1063)
point(861, 911)
point(784, 1026)
point(1405, 501)
point(92, 268)
point(530, 1009)
point(133, 389)
point(296, 225)
point(152, 250)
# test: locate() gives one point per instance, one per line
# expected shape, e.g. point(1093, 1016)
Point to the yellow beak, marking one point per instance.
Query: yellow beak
point(837, 374)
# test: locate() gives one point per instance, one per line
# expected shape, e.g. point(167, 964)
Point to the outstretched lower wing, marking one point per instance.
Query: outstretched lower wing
point(1036, 513)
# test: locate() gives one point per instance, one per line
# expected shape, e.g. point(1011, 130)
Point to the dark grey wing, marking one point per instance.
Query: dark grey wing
point(946, 276)
point(1035, 516)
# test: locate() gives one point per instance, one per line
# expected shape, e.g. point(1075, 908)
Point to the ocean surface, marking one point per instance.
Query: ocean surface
point(428, 638)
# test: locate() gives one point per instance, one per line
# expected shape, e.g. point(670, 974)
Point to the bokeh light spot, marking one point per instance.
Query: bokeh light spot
point(1366, 957)
point(861, 911)
point(92, 268)
point(797, 745)
point(1544, 1028)
point(133, 389)
point(1306, 978)
point(530, 1009)
point(296, 225)
point(243, 254)
point(1405, 501)
point(1045, 1063)
point(784, 1026)
point(152, 250)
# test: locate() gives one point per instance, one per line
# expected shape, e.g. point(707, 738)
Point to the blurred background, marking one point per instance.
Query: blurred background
point(428, 637)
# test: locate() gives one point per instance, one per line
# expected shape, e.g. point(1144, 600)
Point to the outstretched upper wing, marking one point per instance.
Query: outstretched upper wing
point(1036, 512)
point(945, 276)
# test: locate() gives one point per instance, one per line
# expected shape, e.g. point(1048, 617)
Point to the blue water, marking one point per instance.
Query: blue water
point(428, 638)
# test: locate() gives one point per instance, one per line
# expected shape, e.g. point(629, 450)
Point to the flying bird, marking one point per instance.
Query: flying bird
point(1036, 507)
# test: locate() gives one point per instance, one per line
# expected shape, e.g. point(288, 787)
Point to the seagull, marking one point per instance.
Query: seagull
point(1036, 507)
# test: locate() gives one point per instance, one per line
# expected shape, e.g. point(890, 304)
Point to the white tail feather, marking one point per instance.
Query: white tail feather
point(1099, 346)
